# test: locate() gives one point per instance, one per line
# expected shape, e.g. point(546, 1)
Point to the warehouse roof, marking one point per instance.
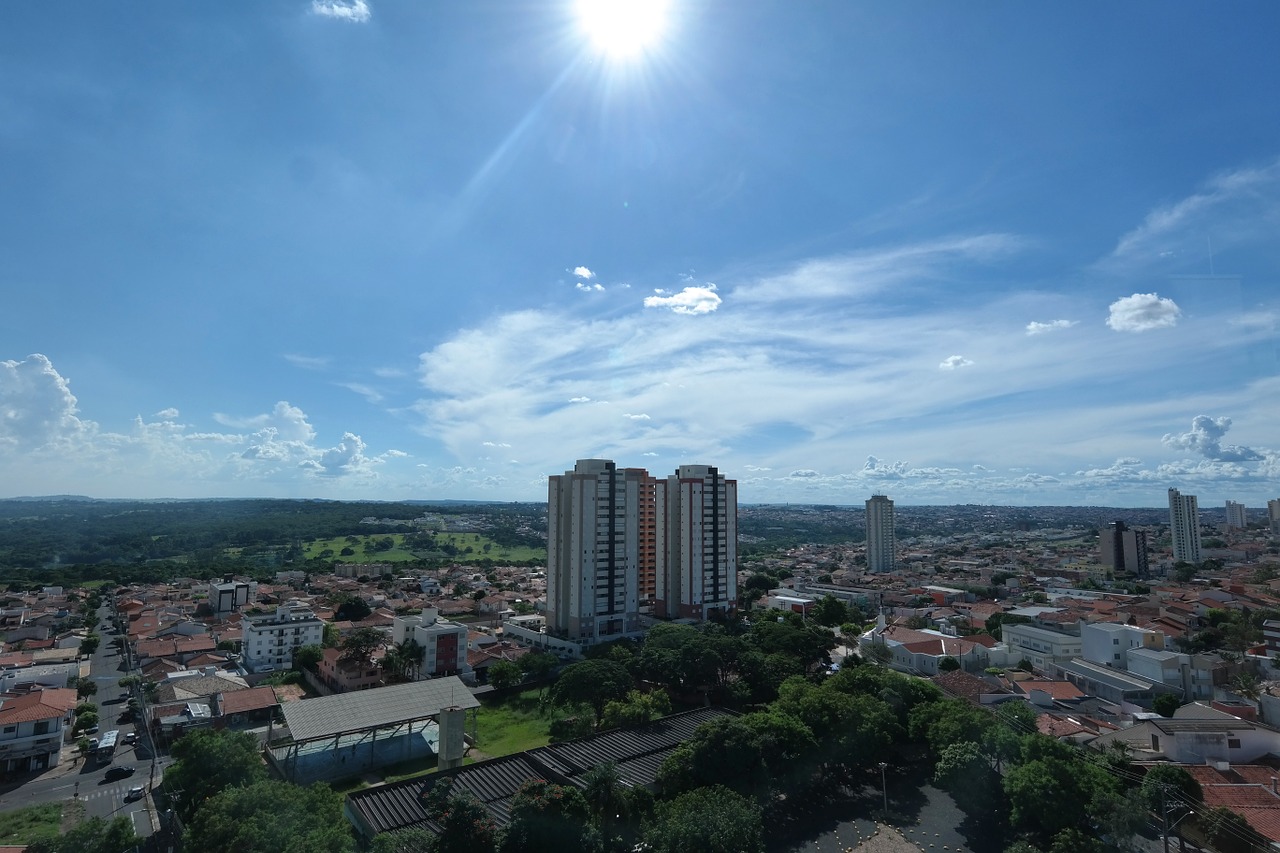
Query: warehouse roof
point(315, 719)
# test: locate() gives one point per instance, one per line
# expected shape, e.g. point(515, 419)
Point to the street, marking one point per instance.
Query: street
point(85, 779)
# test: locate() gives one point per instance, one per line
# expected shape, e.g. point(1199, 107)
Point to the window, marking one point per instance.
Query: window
point(10, 729)
point(1233, 743)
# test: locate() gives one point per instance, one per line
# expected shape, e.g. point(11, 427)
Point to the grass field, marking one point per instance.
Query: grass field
point(512, 725)
point(470, 546)
point(30, 824)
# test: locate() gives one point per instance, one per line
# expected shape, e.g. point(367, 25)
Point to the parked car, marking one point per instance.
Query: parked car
point(120, 771)
point(131, 737)
point(91, 730)
point(93, 743)
point(135, 793)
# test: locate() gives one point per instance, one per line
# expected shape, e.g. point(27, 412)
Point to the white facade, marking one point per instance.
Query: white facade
point(882, 543)
point(1039, 645)
point(701, 544)
point(270, 638)
point(1236, 516)
point(1109, 644)
point(444, 643)
point(1273, 515)
point(1184, 525)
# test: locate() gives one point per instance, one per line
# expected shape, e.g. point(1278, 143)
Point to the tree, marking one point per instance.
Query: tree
point(948, 664)
point(86, 708)
point(1165, 704)
point(361, 643)
point(1176, 785)
point(1048, 795)
point(465, 824)
point(965, 772)
point(607, 800)
point(85, 721)
point(89, 645)
point(271, 815)
point(404, 841)
point(85, 688)
point(504, 674)
point(636, 708)
point(95, 835)
point(706, 820)
point(831, 612)
point(130, 681)
point(538, 664)
point(591, 682)
point(209, 761)
point(545, 816)
point(1228, 832)
point(352, 609)
point(331, 637)
point(308, 657)
point(402, 661)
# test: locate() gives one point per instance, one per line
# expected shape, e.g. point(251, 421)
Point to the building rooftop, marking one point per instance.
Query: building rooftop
point(372, 709)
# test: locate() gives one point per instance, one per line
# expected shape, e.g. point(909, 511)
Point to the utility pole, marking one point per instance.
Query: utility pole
point(884, 786)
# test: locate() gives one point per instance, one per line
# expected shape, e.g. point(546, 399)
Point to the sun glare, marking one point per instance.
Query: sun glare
point(622, 29)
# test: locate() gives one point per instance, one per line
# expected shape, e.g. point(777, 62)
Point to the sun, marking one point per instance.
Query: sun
point(623, 29)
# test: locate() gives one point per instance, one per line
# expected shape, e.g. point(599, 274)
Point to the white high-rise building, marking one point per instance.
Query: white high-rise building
point(1184, 525)
point(1236, 516)
point(882, 542)
point(1273, 514)
point(701, 538)
point(593, 551)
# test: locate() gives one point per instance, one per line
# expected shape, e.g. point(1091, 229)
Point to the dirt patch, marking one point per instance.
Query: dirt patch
point(887, 840)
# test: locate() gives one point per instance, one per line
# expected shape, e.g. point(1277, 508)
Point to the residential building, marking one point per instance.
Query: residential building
point(1041, 646)
point(593, 551)
point(228, 595)
point(342, 676)
point(1184, 525)
point(701, 571)
point(1237, 516)
point(444, 643)
point(32, 726)
point(1123, 548)
point(882, 543)
point(270, 638)
point(1109, 644)
point(1273, 515)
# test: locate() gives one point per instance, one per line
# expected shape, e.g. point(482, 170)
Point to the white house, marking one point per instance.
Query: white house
point(32, 726)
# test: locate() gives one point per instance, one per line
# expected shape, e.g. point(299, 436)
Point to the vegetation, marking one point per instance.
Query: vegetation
point(95, 835)
point(208, 762)
point(33, 823)
point(271, 815)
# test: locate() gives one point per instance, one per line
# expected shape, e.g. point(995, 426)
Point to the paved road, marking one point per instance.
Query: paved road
point(86, 779)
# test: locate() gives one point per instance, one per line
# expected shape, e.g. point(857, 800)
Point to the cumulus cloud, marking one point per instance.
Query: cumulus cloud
point(889, 471)
point(1205, 438)
point(952, 362)
point(637, 417)
point(168, 414)
point(355, 11)
point(37, 407)
point(1034, 328)
point(347, 457)
point(693, 299)
point(495, 444)
point(804, 474)
point(579, 399)
point(583, 272)
point(649, 453)
point(594, 287)
point(1143, 312)
point(285, 422)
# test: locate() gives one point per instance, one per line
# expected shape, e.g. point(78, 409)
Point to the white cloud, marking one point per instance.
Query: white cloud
point(649, 453)
point(579, 399)
point(495, 444)
point(1205, 438)
point(583, 272)
point(307, 362)
point(694, 299)
point(638, 417)
point(591, 288)
point(952, 362)
point(356, 11)
point(1143, 312)
point(1034, 328)
point(286, 422)
point(167, 414)
point(37, 408)
point(804, 474)
point(389, 372)
point(370, 394)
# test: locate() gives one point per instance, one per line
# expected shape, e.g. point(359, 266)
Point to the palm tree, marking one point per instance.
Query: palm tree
point(1246, 684)
point(402, 661)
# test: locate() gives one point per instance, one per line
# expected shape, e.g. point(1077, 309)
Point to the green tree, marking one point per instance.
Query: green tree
point(608, 803)
point(504, 674)
point(465, 824)
point(210, 761)
point(948, 664)
point(95, 835)
point(402, 662)
point(85, 688)
point(636, 708)
point(89, 645)
point(1048, 795)
point(965, 772)
point(361, 643)
point(1072, 840)
point(831, 612)
point(1165, 704)
point(271, 816)
point(1228, 832)
point(706, 820)
point(538, 664)
point(546, 816)
point(331, 637)
point(85, 721)
point(308, 657)
point(1178, 786)
point(404, 841)
point(591, 682)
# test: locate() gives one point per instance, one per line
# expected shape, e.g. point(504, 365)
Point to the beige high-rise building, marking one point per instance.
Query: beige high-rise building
point(701, 536)
point(1237, 516)
point(1273, 514)
point(1184, 525)
point(882, 542)
point(594, 536)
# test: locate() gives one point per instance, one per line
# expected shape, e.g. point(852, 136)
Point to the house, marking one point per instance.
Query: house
point(32, 726)
point(344, 676)
point(245, 707)
point(1197, 734)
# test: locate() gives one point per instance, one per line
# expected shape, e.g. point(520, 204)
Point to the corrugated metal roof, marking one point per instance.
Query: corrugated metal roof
point(315, 719)
point(638, 751)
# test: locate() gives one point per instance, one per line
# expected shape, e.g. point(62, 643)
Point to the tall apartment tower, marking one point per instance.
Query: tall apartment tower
point(1273, 514)
point(701, 521)
point(1184, 524)
point(1236, 516)
point(1123, 548)
point(882, 542)
point(594, 536)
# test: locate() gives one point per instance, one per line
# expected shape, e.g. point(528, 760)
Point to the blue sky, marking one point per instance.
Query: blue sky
point(953, 253)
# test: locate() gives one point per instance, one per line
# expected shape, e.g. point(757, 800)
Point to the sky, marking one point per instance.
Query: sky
point(989, 253)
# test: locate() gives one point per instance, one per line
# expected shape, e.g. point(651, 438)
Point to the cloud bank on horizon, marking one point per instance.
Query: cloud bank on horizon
point(317, 292)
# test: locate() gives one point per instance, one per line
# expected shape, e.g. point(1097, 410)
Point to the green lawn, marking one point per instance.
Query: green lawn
point(364, 552)
point(470, 546)
point(30, 824)
point(512, 725)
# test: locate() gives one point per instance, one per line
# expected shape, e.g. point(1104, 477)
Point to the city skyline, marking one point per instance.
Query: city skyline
point(397, 251)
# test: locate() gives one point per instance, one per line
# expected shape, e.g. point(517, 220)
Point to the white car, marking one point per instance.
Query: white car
point(137, 792)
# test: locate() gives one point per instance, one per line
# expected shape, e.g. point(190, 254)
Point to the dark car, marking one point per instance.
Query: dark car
point(120, 772)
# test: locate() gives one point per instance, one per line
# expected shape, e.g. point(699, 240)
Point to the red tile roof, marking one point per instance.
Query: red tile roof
point(253, 699)
point(46, 704)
